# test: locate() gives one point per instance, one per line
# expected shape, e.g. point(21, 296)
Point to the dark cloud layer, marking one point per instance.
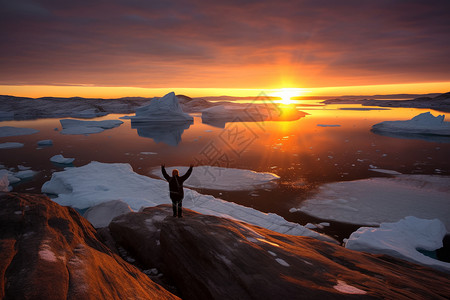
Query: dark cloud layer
point(223, 44)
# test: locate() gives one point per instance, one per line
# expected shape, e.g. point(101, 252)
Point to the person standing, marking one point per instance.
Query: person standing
point(176, 188)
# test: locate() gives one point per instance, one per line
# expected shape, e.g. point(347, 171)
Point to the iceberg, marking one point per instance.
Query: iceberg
point(59, 159)
point(420, 126)
point(402, 239)
point(376, 200)
point(10, 145)
point(224, 179)
point(15, 131)
point(165, 109)
point(95, 183)
point(87, 127)
point(45, 143)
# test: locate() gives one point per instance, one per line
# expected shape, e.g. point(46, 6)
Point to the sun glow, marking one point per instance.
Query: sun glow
point(286, 94)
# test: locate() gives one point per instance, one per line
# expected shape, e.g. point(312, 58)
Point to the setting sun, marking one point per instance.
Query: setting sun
point(286, 94)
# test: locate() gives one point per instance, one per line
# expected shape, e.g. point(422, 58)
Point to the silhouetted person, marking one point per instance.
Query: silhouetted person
point(176, 188)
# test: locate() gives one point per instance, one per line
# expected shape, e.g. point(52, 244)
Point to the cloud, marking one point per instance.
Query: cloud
point(232, 43)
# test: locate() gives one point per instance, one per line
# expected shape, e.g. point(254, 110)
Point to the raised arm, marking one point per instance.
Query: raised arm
point(163, 170)
point(188, 173)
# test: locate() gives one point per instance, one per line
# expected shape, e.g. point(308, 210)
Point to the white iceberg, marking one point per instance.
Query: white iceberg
point(15, 131)
point(102, 214)
point(420, 126)
point(165, 109)
point(402, 239)
point(59, 159)
point(377, 200)
point(10, 145)
point(96, 182)
point(224, 179)
point(71, 126)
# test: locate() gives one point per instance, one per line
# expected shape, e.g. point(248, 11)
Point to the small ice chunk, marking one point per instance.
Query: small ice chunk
point(59, 159)
point(10, 145)
point(25, 174)
point(45, 143)
point(149, 153)
point(385, 171)
point(328, 125)
point(4, 183)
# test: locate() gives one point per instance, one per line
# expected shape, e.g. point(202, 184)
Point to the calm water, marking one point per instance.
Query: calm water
point(303, 154)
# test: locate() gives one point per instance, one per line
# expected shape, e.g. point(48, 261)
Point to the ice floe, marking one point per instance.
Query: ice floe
point(224, 179)
point(102, 214)
point(71, 126)
point(96, 182)
point(423, 126)
point(377, 200)
point(11, 145)
point(45, 143)
point(164, 109)
point(328, 125)
point(402, 239)
point(4, 182)
point(60, 159)
point(15, 131)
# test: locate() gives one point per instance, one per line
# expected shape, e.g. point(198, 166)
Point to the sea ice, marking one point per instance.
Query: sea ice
point(420, 126)
point(45, 143)
point(402, 239)
point(25, 174)
point(165, 109)
point(4, 183)
point(223, 179)
point(71, 126)
point(59, 159)
point(376, 200)
point(96, 182)
point(15, 131)
point(102, 214)
point(328, 125)
point(10, 145)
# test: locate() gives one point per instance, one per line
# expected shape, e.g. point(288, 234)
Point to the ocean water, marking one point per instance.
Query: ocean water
point(331, 143)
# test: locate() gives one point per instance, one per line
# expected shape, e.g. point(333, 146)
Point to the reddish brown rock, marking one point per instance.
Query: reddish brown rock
point(49, 252)
point(216, 258)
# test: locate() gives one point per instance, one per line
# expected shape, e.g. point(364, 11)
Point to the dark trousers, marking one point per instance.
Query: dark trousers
point(177, 206)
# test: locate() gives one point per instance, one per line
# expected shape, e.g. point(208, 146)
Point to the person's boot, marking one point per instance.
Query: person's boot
point(174, 208)
point(180, 212)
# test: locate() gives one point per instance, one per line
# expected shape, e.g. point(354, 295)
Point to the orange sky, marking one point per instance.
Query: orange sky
point(205, 48)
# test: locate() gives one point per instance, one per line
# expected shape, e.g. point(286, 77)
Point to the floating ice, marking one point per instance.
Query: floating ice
point(328, 125)
point(402, 239)
point(165, 109)
point(4, 182)
point(59, 159)
point(95, 183)
point(25, 174)
point(15, 131)
point(45, 143)
point(223, 179)
point(391, 172)
point(376, 200)
point(10, 145)
point(87, 127)
point(418, 127)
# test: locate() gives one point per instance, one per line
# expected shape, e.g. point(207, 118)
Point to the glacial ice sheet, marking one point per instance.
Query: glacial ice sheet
point(402, 239)
point(376, 200)
point(96, 182)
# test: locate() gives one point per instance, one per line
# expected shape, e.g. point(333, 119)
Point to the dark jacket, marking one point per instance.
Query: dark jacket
point(176, 183)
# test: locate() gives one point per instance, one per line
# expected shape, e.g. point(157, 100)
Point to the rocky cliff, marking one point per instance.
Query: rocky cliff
point(208, 257)
point(50, 252)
